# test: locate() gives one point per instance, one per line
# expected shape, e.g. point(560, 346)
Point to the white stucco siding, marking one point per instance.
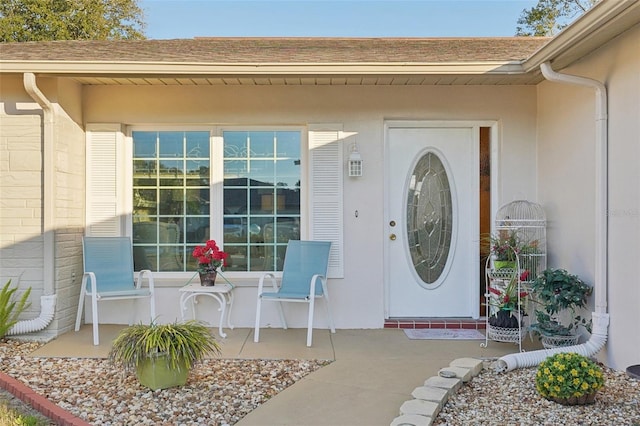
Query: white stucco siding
point(358, 299)
point(620, 67)
point(566, 176)
point(566, 158)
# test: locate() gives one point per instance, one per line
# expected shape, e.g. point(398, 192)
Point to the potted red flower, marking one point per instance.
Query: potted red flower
point(209, 258)
point(510, 303)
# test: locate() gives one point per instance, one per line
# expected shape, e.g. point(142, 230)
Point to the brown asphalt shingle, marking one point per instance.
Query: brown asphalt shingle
point(279, 50)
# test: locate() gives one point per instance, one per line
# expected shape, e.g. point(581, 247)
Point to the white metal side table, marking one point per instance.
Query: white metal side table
point(223, 293)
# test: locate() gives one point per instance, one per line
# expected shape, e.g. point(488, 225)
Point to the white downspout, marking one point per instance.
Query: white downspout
point(47, 312)
point(48, 300)
point(600, 317)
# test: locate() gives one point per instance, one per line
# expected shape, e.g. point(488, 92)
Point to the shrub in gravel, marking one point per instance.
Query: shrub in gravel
point(569, 378)
point(162, 354)
point(10, 308)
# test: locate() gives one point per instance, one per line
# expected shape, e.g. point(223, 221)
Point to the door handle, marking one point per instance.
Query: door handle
point(392, 237)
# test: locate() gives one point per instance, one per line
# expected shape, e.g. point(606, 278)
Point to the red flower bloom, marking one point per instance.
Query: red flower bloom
point(507, 297)
point(210, 256)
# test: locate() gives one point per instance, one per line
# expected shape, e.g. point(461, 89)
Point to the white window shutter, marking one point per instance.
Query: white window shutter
point(103, 218)
point(325, 193)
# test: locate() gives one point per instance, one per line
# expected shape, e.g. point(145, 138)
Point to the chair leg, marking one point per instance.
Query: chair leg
point(282, 317)
point(152, 307)
point(310, 321)
point(328, 307)
point(256, 333)
point(94, 314)
point(135, 304)
point(80, 306)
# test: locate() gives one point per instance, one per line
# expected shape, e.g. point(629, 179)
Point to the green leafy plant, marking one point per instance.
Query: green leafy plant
point(505, 244)
point(508, 298)
point(29, 20)
point(557, 290)
point(568, 375)
point(14, 416)
point(10, 309)
point(183, 344)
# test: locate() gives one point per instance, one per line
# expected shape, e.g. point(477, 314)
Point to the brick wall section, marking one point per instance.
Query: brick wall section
point(68, 277)
point(69, 219)
point(21, 243)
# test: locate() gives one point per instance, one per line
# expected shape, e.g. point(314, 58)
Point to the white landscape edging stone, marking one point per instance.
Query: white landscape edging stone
point(473, 364)
point(412, 419)
point(430, 398)
point(450, 385)
point(420, 407)
point(438, 395)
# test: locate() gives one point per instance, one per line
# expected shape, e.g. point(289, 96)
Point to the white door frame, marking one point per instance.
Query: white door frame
point(495, 187)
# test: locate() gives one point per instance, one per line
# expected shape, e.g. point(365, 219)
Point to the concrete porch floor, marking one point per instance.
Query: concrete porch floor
point(373, 373)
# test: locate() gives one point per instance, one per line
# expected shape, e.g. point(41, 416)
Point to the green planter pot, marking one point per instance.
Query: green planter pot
point(504, 264)
point(156, 373)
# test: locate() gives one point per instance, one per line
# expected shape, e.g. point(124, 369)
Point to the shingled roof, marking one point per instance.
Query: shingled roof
point(279, 50)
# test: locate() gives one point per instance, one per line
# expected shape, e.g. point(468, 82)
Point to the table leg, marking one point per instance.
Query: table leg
point(223, 306)
point(230, 303)
point(183, 304)
point(222, 300)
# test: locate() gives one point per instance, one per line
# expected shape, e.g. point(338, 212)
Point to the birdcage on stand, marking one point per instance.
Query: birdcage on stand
point(523, 224)
point(528, 221)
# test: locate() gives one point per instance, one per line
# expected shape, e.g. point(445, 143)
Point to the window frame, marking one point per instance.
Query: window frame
point(216, 194)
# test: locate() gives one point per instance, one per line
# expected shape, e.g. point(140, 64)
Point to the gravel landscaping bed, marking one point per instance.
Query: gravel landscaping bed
point(511, 399)
point(223, 391)
point(219, 391)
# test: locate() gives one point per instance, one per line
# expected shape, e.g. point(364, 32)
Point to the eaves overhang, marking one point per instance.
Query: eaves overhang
point(76, 68)
point(601, 24)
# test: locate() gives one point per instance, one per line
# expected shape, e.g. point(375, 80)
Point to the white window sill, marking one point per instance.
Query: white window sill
point(180, 279)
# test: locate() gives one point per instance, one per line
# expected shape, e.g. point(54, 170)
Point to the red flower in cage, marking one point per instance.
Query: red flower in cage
point(508, 298)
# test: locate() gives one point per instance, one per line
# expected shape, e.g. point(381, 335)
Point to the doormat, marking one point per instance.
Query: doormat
point(443, 334)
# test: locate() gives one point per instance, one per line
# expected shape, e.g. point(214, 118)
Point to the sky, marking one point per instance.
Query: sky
point(167, 19)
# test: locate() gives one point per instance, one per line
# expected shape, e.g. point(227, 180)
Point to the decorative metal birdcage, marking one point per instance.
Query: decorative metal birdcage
point(522, 224)
point(529, 222)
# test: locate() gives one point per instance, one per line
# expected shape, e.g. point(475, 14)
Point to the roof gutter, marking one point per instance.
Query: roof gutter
point(600, 317)
point(601, 23)
point(128, 68)
point(48, 193)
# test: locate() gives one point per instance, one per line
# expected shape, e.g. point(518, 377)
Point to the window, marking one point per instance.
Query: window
point(261, 197)
point(172, 204)
point(171, 190)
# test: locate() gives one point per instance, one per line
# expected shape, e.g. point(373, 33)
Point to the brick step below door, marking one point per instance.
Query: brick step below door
point(466, 323)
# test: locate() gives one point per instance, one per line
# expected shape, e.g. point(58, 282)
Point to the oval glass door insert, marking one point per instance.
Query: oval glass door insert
point(429, 218)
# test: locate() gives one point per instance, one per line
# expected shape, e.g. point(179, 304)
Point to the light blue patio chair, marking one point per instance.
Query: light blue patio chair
point(304, 278)
point(108, 275)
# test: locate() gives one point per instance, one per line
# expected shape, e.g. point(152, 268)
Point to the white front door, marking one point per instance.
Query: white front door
point(432, 219)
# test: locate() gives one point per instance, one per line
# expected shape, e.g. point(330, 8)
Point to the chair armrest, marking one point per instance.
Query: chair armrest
point(272, 277)
point(145, 273)
point(312, 284)
point(91, 277)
